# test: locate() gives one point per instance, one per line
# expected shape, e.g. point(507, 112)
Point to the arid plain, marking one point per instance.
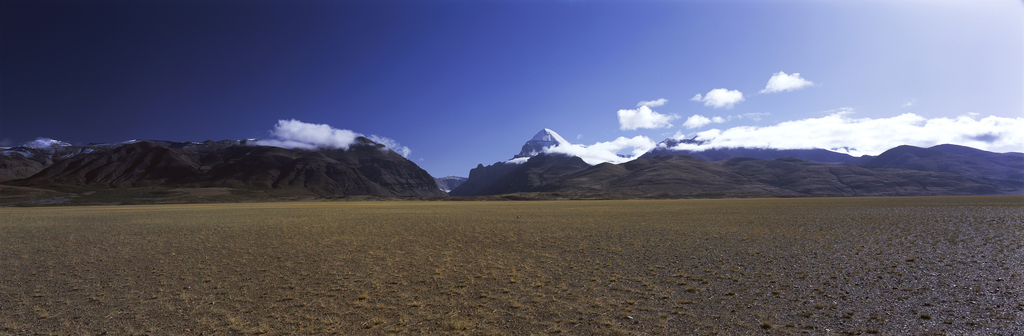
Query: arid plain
point(912, 265)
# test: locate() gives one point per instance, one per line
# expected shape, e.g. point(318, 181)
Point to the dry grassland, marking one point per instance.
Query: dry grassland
point(932, 265)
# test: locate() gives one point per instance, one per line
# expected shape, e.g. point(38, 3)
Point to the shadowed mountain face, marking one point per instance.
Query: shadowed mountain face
point(506, 178)
point(481, 178)
point(364, 169)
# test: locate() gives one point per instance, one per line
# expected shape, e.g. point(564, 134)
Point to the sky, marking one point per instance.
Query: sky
point(451, 84)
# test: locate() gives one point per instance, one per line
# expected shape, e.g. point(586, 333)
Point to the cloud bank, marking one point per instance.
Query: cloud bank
point(719, 98)
point(644, 117)
point(867, 136)
point(602, 152)
point(783, 82)
point(296, 134)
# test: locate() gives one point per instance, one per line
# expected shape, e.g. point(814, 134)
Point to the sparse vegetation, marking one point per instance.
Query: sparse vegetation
point(946, 265)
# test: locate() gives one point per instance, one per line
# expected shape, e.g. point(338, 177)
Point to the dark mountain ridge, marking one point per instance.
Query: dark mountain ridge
point(366, 168)
point(507, 178)
point(28, 159)
point(1005, 167)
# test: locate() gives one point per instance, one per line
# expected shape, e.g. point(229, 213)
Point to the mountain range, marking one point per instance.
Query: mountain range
point(242, 169)
point(449, 182)
point(365, 168)
point(737, 172)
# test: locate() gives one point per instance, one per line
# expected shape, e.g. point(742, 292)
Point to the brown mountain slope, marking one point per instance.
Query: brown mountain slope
point(1006, 168)
point(688, 176)
point(663, 175)
point(13, 167)
point(134, 165)
point(831, 180)
point(364, 169)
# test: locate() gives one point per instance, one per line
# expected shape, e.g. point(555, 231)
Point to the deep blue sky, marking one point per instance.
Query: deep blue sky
point(467, 82)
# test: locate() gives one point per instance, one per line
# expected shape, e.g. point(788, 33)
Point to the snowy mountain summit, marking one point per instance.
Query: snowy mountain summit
point(544, 139)
point(43, 143)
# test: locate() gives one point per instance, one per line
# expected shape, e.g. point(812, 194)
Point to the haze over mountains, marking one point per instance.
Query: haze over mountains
point(537, 171)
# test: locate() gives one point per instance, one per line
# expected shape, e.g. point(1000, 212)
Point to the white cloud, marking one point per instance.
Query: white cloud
point(607, 151)
point(296, 134)
point(719, 98)
point(652, 103)
point(839, 131)
point(697, 121)
point(392, 145)
point(910, 103)
point(783, 82)
point(519, 160)
point(644, 117)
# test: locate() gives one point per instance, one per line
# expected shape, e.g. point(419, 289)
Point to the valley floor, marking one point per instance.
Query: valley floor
point(913, 265)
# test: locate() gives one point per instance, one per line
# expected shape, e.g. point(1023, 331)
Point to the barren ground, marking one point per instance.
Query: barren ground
point(934, 265)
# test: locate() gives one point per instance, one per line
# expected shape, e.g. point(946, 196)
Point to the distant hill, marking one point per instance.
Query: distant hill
point(665, 148)
point(674, 176)
point(1005, 168)
point(366, 168)
point(449, 182)
point(660, 176)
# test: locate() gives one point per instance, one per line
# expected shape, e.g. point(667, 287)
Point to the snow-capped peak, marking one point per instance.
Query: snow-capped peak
point(42, 143)
point(547, 135)
point(544, 139)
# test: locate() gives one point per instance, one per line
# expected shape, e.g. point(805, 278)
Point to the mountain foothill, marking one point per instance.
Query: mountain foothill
point(150, 171)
